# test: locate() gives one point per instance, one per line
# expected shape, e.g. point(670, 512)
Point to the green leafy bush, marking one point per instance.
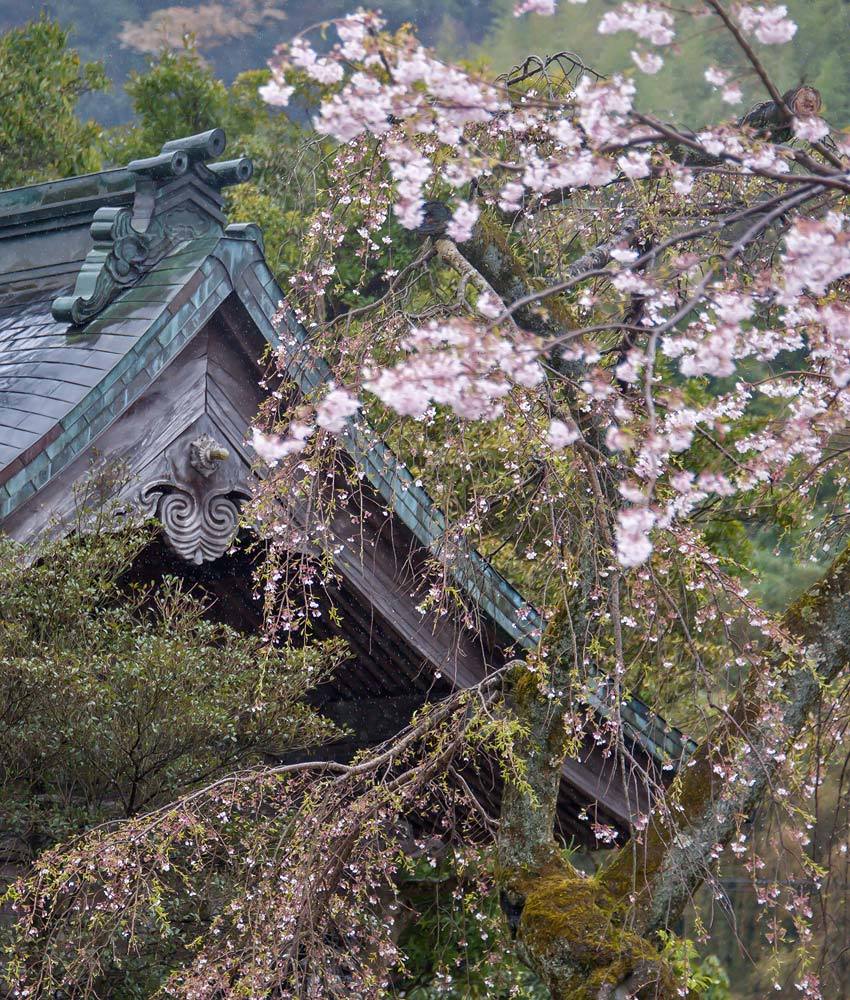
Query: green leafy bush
point(41, 80)
point(116, 699)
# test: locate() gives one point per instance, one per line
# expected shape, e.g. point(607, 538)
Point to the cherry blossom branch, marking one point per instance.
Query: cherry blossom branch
point(783, 201)
point(748, 51)
point(622, 481)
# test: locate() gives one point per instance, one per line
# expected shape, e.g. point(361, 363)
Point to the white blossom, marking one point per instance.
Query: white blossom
point(545, 7)
point(276, 93)
point(632, 532)
point(334, 410)
point(646, 20)
point(561, 434)
point(647, 62)
point(770, 25)
point(463, 222)
point(812, 129)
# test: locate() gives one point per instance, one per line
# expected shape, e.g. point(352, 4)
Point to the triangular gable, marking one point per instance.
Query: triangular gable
point(148, 232)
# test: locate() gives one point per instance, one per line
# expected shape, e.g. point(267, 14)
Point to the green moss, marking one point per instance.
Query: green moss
point(627, 872)
point(525, 686)
point(567, 910)
point(571, 929)
point(491, 252)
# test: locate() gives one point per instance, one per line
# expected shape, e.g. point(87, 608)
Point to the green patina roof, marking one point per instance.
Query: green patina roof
point(60, 387)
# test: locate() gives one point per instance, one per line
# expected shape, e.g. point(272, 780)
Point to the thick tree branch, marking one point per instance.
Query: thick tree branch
point(448, 251)
point(593, 938)
point(490, 253)
point(770, 86)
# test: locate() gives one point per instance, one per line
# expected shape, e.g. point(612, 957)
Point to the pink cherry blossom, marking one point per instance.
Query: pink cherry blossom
point(544, 7)
point(732, 94)
point(647, 62)
point(616, 439)
point(490, 305)
point(624, 255)
point(770, 25)
point(628, 370)
point(510, 199)
point(715, 482)
point(271, 447)
point(335, 409)
point(816, 254)
point(457, 364)
point(410, 170)
point(603, 107)
point(364, 105)
point(323, 70)
point(715, 76)
point(647, 20)
point(414, 67)
point(811, 129)
point(353, 32)
point(276, 93)
point(632, 532)
point(634, 164)
point(462, 222)
point(683, 180)
point(561, 434)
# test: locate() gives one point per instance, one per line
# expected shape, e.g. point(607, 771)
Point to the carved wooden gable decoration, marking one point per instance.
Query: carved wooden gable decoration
point(132, 319)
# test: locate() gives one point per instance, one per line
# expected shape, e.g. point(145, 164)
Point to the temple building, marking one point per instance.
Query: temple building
point(133, 324)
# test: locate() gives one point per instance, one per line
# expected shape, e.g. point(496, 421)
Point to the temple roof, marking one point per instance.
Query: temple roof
point(93, 270)
point(105, 279)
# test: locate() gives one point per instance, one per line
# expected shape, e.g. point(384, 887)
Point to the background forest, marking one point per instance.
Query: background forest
point(90, 83)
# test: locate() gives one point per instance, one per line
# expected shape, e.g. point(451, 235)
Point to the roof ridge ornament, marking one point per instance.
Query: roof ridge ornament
point(177, 198)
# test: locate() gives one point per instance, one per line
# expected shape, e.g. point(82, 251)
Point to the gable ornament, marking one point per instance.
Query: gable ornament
point(199, 517)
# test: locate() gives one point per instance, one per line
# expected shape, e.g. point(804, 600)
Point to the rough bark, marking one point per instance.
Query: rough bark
point(761, 724)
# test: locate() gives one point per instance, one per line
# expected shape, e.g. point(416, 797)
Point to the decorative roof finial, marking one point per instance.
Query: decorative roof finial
point(177, 198)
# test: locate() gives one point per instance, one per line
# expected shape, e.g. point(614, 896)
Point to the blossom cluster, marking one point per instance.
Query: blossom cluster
point(770, 25)
point(459, 365)
point(411, 107)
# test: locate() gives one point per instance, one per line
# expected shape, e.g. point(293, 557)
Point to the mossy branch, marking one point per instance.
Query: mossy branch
point(447, 250)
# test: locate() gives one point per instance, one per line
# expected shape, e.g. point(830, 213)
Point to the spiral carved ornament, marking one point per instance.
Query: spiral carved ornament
point(197, 528)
